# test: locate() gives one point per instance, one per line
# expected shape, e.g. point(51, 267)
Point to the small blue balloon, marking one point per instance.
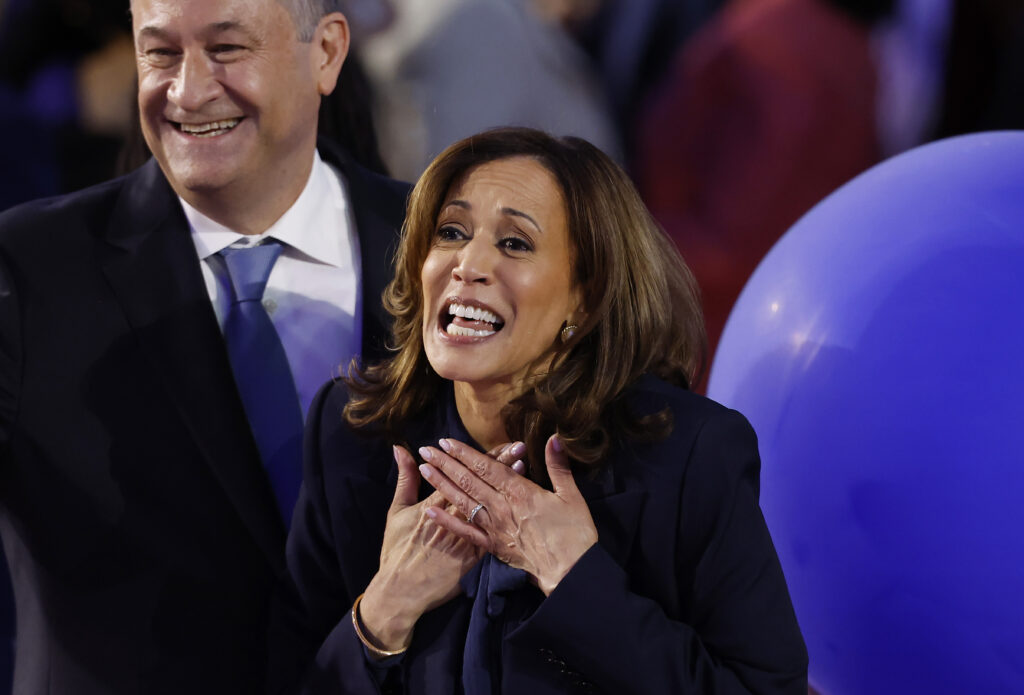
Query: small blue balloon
point(878, 351)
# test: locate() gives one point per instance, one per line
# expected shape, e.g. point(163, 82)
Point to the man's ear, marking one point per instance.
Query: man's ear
point(330, 46)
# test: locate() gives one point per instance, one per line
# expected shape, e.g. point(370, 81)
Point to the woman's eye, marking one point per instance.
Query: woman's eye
point(514, 243)
point(449, 233)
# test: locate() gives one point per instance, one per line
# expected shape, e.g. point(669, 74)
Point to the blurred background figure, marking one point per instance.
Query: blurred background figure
point(632, 44)
point(768, 108)
point(67, 84)
point(445, 69)
point(910, 54)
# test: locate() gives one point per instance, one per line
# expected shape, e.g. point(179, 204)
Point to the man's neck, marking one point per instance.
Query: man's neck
point(248, 211)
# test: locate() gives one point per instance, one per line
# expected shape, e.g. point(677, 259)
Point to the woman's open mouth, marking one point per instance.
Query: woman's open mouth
point(469, 319)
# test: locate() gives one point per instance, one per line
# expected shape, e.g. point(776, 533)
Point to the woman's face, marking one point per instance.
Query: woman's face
point(497, 282)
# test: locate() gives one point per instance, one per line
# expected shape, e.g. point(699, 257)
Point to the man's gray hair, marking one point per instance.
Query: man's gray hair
point(307, 14)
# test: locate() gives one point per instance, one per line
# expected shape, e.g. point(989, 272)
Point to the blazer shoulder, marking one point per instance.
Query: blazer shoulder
point(651, 394)
point(699, 425)
point(28, 216)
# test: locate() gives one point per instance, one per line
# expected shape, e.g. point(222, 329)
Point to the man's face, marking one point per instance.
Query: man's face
point(228, 95)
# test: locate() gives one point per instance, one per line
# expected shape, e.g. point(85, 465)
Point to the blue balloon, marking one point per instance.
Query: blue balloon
point(878, 351)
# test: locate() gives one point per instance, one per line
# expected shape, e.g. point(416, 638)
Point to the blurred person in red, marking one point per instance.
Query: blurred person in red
point(768, 109)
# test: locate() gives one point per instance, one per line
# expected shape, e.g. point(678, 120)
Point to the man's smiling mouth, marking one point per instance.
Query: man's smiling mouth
point(207, 130)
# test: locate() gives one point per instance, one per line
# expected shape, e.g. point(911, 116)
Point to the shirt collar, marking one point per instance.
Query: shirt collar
point(309, 225)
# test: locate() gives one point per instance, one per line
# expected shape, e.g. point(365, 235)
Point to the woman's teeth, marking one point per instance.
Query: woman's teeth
point(472, 313)
point(452, 329)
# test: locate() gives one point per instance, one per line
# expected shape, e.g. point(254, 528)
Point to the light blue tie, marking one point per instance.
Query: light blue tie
point(262, 373)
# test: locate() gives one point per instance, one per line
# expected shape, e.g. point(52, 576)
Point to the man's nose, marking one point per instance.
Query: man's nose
point(475, 262)
point(196, 82)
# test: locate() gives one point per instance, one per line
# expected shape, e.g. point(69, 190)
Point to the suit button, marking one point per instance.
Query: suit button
point(270, 305)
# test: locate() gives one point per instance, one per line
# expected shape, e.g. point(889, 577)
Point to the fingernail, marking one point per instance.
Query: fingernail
point(445, 444)
point(517, 449)
point(431, 512)
point(425, 453)
point(556, 444)
point(519, 467)
point(394, 452)
point(425, 471)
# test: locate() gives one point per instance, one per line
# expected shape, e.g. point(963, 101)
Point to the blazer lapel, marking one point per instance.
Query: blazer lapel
point(153, 269)
point(616, 513)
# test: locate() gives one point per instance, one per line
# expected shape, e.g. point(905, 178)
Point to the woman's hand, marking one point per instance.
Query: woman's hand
point(420, 561)
point(520, 523)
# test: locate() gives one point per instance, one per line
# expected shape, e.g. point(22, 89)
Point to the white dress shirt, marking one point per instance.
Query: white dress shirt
point(313, 294)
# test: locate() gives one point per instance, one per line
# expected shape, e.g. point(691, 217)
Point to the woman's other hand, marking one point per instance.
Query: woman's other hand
point(520, 523)
point(420, 561)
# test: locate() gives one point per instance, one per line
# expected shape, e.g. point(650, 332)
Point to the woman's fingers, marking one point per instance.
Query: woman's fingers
point(408, 480)
point(466, 494)
point(482, 466)
point(559, 470)
point(510, 455)
point(458, 527)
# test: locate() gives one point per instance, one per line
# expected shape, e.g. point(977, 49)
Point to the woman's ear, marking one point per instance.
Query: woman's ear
point(330, 47)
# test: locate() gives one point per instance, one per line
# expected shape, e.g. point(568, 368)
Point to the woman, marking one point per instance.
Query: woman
point(535, 301)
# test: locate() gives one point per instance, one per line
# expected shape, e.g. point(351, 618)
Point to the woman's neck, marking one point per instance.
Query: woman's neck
point(480, 411)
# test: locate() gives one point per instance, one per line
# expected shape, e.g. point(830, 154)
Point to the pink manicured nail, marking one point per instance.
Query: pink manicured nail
point(425, 453)
point(519, 467)
point(425, 471)
point(517, 449)
point(556, 444)
point(394, 452)
point(431, 512)
point(445, 444)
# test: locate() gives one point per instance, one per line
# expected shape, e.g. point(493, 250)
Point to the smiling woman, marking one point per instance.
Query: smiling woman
point(610, 540)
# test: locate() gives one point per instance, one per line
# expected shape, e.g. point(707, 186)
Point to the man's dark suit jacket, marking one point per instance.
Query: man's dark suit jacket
point(141, 530)
point(683, 592)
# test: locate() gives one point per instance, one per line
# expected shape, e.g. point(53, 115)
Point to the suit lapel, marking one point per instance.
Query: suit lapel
point(378, 206)
point(154, 272)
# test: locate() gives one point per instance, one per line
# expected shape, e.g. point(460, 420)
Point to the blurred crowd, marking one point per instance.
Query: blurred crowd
point(734, 117)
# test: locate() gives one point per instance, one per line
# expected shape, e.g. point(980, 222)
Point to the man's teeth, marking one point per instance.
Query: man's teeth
point(452, 329)
point(473, 313)
point(207, 130)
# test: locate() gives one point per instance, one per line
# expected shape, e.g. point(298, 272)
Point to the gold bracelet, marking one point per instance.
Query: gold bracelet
point(374, 650)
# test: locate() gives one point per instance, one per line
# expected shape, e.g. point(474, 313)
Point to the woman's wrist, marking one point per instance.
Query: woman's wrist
point(551, 578)
point(386, 624)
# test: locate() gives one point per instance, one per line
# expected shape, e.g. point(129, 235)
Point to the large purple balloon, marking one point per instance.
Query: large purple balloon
point(878, 351)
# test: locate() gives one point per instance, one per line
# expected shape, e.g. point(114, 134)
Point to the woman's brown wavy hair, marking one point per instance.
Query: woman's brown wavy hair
point(641, 303)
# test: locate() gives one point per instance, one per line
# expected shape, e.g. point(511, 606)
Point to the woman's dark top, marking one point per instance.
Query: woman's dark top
point(683, 593)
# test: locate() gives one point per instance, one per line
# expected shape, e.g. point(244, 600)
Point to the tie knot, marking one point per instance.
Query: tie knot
point(249, 268)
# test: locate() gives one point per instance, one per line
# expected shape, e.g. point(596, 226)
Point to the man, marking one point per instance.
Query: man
point(144, 534)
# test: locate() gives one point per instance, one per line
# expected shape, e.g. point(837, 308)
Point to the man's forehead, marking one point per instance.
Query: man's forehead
point(162, 18)
point(222, 10)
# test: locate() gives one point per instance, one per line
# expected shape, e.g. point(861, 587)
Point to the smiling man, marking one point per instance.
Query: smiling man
point(161, 336)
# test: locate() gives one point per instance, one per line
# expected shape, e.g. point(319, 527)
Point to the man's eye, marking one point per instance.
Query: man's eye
point(161, 56)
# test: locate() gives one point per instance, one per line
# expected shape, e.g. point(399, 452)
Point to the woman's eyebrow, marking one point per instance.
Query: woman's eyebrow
point(505, 211)
point(520, 213)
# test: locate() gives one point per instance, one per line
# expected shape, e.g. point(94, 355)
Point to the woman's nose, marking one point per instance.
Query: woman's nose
point(475, 261)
